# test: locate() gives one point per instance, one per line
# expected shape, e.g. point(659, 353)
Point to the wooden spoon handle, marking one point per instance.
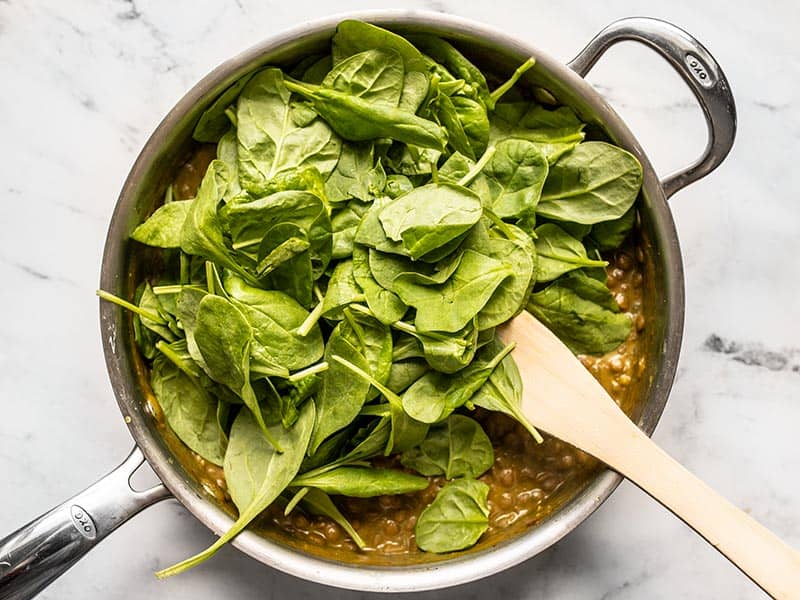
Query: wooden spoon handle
point(759, 553)
point(561, 397)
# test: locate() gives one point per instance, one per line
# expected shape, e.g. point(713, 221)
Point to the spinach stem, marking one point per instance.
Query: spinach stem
point(499, 223)
point(311, 320)
point(386, 392)
point(499, 92)
point(376, 410)
point(312, 370)
point(245, 243)
point(295, 500)
point(175, 359)
point(185, 267)
point(229, 112)
point(162, 290)
point(169, 195)
point(210, 277)
point(142, 312)
point(474, 171)
point(411, 330)
point(269, 372)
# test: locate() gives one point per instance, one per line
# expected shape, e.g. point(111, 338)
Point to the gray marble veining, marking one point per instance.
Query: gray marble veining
point(85, 84)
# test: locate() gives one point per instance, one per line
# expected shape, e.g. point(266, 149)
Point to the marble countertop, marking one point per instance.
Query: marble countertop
point(84, 84)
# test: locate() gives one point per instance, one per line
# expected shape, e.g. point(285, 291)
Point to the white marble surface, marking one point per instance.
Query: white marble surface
point(84, 83)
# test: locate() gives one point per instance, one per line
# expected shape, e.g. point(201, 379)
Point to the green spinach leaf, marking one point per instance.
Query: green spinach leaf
point(457, 448)
point(593, 183)
point(255, 473)
point(270, 139)
point(456, 519)
point(582, 312)
point(361, 482)
point(189, 410)
point(558, 253)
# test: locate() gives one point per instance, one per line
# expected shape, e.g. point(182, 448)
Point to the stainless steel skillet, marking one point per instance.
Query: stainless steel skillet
point(33, 556)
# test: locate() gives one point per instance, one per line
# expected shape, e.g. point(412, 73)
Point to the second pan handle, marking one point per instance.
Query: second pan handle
point(696, 67)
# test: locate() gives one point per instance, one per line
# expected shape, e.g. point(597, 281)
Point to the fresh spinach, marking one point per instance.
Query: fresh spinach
point(189, 410)
point(582, 312)
point(255, 473)
point(457, 448)
point(456, 519)
point(558, 252)
point(270, 139)
point(595, 182)
point(334, 287)
point(361, 482)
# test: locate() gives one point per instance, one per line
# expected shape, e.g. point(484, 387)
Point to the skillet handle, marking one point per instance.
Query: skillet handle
point(39, 552)
point(695, 66)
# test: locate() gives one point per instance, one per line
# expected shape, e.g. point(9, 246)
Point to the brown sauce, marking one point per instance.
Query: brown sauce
point(528, 481)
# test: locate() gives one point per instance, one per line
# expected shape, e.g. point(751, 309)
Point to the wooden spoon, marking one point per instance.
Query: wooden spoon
point(562, 398)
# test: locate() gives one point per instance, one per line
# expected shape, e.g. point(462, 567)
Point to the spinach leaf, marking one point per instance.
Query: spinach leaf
point(441, 272)
point(282, 243)
point(361, 482)
point(255, 473)
point(341, 395)
point(449, 307)
point(370, 231)
point(358, 120)
point(384, 304)
point(318, 502)
point(445, 352)
point(344, 223)
point(474, 121)
point(555, 132)
point(189, 410)
point(270, 139)
point(582, 312)
point(317, 70)
point(517, 171)
point(430, 216)
point(228, 153)
point(558, 252)
point(397, 185)
point(298, 393)
point(456, 63)
point(502, 392)
point(275, 317)
point(609, 235)
point(342, 291)
point(201, 234)
point(248, 222)
point(163, 228)
point(284, 261)
point(410, 160)
point(356, 175)
point(593, 183)
point(374, 75)
point(457, 448)
point(213, 123)
point(224, 337)
point(352, 37)
point(456, 519)
point(406, 431)
point(434, 396)
point(404, 373)
point(511, 246)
